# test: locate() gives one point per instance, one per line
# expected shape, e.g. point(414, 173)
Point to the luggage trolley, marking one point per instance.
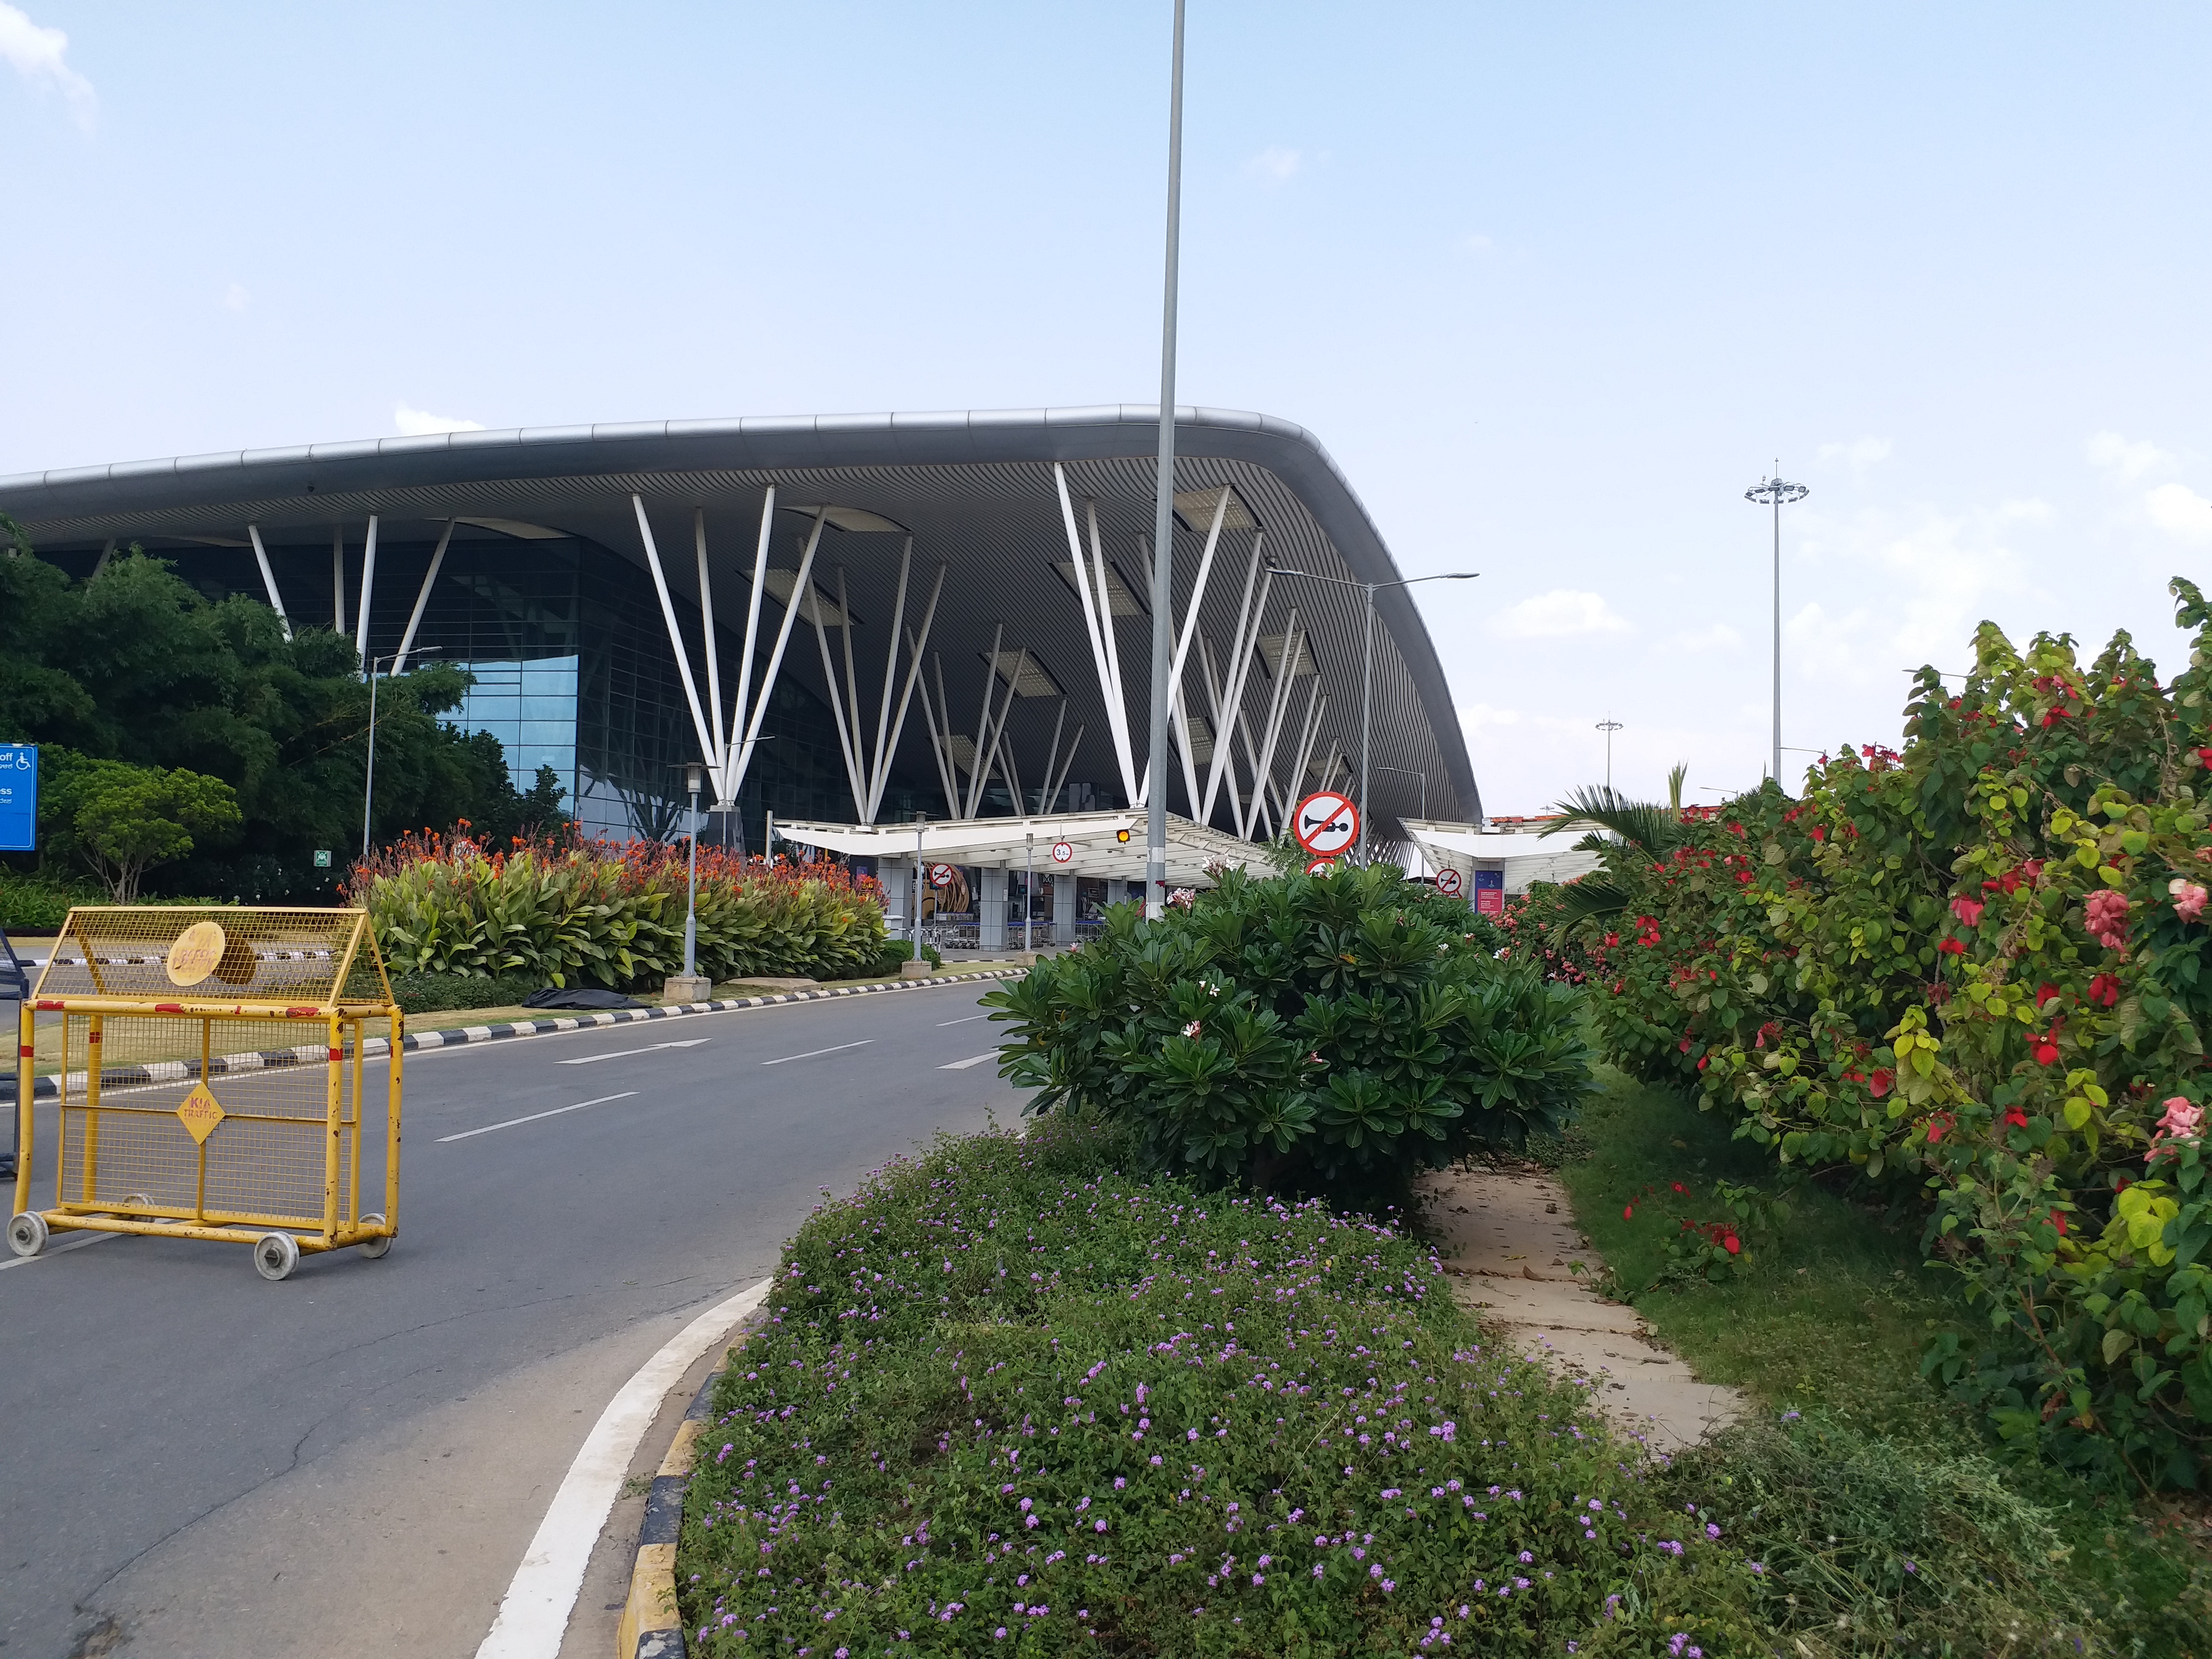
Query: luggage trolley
point(206, 1063)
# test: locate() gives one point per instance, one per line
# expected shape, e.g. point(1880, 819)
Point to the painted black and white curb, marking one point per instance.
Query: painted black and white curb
point(48, 1085)
point(652, 1624)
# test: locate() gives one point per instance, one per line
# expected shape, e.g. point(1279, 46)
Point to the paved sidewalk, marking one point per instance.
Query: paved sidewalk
point(1509, 1241)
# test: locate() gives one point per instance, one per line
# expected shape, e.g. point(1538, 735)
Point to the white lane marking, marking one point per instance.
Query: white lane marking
point(534, 1116)
point(942, 1023)
point(973, 1059)
point(55, 1248)
point(810, 1053)
point(618, 1054)
point(533, 1615)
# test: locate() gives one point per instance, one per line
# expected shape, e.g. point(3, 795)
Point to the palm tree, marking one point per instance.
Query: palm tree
point(1626, 834)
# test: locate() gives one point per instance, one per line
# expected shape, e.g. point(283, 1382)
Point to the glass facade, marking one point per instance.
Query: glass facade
point(572, 671)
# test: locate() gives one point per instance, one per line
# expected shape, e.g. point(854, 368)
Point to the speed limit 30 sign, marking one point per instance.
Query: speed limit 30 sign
point(1326, 823)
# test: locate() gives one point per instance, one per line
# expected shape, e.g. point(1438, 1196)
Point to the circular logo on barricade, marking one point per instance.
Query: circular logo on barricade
point(194, 954)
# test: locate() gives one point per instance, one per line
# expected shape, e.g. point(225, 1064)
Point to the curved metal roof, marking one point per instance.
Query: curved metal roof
point(975, 488)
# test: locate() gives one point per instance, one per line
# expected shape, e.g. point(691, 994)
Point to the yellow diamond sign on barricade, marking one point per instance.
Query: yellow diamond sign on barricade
point(201, 1112)
point(141, 1010)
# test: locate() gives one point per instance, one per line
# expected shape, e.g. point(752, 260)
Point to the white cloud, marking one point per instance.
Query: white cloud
point(1558, 613)
point(2180, 511)
point(37, 55)
point(235, 298)
point(2113, 454)
point(419, 423)
point(1859, 456)
point(1719, 637)
point(1275, 162)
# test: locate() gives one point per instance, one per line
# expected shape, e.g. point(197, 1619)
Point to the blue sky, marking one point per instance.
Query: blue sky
point(1554, 284)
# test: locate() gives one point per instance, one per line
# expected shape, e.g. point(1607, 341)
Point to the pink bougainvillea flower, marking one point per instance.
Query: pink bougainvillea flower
point(2189, 898)
point(1880, 1083)
point(2182, 1119)
point(1951, 947)
point(1967, 910)
point(2106, 915)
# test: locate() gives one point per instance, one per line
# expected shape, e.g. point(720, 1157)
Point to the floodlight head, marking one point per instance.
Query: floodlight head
point(1774, 492)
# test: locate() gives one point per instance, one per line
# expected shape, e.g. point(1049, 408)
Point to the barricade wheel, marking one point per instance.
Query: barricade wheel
point(275, 1255)
point(374, 1248)
point(26, 1233)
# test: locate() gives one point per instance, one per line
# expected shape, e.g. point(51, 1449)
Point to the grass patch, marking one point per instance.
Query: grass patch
point(1009, 1400)
point(1829, 1322)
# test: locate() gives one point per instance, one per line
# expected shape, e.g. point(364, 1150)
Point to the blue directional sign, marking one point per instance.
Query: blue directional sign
point(19, 798)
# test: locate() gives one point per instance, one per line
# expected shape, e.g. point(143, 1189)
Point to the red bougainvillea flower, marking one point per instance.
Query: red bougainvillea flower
point(1612, 939)
point(2205, 755)
point(2044, 1048)
point(1679, 1188)
point(2045, 993)
point(1967, 910)
point(2059, 1220)
point(1939, 1126)
point(1951, 947)
point(2032, 870)
point(1628, 1212)
point(2189, 898)
point(2104, 990)
point(1733, 1244)
point(1702, 1059)
point(1686, 1045)
point(2016, 1117)
point(1880, 1081)
point(1818, 834)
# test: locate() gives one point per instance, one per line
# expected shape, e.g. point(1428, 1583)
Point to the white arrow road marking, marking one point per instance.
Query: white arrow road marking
point(650, 1048)
point(810, 1053)
point(533, 1615)
point(973, 1059)
point(625, 1095)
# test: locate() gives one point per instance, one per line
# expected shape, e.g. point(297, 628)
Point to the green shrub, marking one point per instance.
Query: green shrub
point(1008, 1401)
point(32, 904)
point(1975, 972)
point(1298, 1033)
point(592, 913)
point(898, 950)
point(438, 993)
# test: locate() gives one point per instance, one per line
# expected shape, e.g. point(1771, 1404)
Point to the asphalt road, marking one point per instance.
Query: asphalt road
point(195, 1461)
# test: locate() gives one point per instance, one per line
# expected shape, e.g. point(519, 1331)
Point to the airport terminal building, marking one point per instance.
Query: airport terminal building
point(851, 620)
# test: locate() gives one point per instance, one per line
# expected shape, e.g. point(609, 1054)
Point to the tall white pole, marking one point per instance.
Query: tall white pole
point(691, 880)
point(1776, 773)
point(1156, 793)
point(1366, 703)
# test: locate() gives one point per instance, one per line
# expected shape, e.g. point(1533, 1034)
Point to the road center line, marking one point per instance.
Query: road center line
point(534, 1116)
point(618, 1054)
point(942, 1023)
point(533, 1615)
point(973, 1059)
point(810, 1053)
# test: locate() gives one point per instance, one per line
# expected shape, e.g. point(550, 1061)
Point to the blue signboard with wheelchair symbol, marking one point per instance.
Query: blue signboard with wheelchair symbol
point(19, 798)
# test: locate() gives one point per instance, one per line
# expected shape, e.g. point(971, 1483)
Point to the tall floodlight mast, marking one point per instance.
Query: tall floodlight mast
point(1774, 492)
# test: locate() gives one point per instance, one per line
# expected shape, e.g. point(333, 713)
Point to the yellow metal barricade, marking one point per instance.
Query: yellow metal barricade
point(208, 1065)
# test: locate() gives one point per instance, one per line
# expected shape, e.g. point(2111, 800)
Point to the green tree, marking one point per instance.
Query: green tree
point(122, 819)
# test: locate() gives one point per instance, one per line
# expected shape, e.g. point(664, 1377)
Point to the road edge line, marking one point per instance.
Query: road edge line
point(533, 1615)
point(652, 1628)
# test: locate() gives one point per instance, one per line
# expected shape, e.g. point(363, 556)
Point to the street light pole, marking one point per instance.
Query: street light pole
point(1608, 725)
point(1421, 778)
point(1774, 492)
point(368, 776)
point(1156, 795)
point(1367, 659)
point(694, 775)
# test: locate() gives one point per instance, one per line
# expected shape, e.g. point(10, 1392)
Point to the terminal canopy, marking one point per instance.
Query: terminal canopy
point(1100, 844)
point(1518, 848)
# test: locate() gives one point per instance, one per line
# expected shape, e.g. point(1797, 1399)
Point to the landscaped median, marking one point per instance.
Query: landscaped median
point(1012, 1398)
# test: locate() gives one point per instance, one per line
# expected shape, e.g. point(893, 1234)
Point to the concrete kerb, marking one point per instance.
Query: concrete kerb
point(652, 1626)
point(48, 1085)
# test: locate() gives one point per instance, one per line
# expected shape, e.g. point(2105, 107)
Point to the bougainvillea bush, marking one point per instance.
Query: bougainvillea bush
point(576, 912)
point(1302, 1033)
point(1011, 1400)
point(1976, 970)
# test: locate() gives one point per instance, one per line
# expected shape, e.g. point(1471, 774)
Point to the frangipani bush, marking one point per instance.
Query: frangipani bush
point(1307, 1032)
